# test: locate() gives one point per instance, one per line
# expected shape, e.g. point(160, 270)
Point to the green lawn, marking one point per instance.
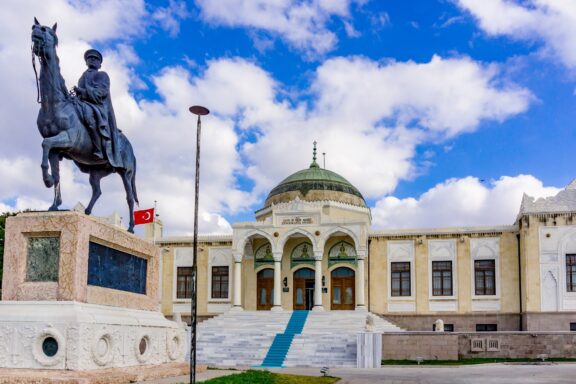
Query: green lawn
point(265, 377)
point(470, 361)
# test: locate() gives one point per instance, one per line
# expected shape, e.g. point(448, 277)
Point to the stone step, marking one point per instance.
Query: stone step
point(244, 338)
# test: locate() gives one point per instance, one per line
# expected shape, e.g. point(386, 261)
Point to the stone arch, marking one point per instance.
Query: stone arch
point(287, 235)
point(254, 232)
point(341, 265)
point(347, 231)
point(549, 292)
point(481, 249)
point(263, 267)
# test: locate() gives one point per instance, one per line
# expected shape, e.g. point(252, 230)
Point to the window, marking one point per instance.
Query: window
point(184, 283)
point(447, 327)
point(400, 278)
point(442, 278)
point(486, 327)
point(571, 273)
point(219, 282)
point(485, 277)
point(572, 327)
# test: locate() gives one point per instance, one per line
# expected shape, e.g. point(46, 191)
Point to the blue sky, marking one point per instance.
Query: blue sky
point(442, 113)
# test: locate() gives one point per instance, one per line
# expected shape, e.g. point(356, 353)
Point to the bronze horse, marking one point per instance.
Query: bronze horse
point(66, 136)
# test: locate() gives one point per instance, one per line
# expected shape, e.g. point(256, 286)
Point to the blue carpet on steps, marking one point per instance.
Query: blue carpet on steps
point(282, 342)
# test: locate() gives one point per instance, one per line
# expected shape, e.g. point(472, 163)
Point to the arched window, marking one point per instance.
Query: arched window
point(342, 252)
point(304, 273)
point(302, 254)
point(263, 255)
point(342, 272)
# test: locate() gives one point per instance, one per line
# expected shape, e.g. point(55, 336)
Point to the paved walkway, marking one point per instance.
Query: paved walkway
point(470, 374)
point(547, 373)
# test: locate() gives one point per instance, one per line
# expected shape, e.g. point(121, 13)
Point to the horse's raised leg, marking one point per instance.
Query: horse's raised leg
point(60, 141)
point(127, 176)
point(55, 167)
point(95, 176)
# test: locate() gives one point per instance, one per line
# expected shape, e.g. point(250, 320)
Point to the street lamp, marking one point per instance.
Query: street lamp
point(198, 111)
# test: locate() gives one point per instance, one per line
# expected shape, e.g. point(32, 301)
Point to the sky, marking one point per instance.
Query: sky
point(441, 112)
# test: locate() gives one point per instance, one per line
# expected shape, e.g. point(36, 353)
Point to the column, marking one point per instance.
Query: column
point(360, 283)
point(318, 282)
point(237, 302)
point(277, 285)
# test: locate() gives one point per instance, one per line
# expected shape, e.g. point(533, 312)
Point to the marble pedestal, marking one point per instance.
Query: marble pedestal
point(369, 350)
point(87, 336)
point(80, 294)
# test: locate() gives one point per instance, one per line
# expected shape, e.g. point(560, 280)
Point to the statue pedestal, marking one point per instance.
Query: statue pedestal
point(80, 294)
point(369, 350)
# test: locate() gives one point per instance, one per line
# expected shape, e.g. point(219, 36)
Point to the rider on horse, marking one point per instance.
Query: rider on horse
point(96, 109)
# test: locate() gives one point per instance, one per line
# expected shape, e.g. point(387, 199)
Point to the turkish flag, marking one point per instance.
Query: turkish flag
point(144, 216)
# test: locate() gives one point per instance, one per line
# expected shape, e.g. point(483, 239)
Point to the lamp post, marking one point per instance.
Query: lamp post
point(198, 111)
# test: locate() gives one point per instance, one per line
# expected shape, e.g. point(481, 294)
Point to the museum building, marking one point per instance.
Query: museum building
point(311, 247)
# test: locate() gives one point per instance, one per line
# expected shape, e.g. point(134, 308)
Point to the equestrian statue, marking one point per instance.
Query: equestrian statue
point(79, 125)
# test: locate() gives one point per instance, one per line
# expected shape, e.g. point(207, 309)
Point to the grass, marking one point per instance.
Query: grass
point(472, 361)
point(265, 377)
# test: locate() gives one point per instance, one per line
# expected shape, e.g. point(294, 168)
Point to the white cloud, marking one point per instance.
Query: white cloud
point(552, 22)
point(460, 202)
point(170, 17)
point(302, 24)
point(368, 117)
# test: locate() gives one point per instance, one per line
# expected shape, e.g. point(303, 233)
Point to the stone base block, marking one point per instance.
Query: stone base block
point(102, 376)
point(79, 336)
point(368, 350)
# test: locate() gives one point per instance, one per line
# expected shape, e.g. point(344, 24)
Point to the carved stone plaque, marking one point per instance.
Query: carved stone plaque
point(43, 259)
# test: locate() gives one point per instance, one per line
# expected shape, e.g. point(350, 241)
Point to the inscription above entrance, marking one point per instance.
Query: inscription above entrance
point(297, 220)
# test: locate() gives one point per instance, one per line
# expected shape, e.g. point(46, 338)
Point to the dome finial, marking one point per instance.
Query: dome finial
point(314, 164)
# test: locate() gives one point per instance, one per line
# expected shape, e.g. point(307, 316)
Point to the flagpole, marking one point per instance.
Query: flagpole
point(199, 111)
point(154, 225)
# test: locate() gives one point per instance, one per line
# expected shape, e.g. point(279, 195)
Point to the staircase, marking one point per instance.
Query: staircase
point(284, 339)
point(329, 339)
point(282, 342)
point(238, 338)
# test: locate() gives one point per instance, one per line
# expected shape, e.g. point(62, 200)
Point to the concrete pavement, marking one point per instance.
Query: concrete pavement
point(517, 373)
point(469, 374)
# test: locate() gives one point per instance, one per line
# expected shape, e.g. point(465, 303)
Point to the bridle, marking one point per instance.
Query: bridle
point(38, 100)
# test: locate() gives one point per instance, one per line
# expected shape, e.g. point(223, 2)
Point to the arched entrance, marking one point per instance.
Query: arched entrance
point(265, 289)
point(343, 287)
point(304, 289)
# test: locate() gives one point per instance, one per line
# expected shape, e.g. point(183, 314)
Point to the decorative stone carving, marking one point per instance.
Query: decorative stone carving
point(439, 325)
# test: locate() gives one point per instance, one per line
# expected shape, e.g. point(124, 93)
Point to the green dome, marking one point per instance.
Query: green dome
point(314, 184)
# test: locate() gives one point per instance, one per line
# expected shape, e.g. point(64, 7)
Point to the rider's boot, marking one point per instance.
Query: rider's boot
point(96, 141)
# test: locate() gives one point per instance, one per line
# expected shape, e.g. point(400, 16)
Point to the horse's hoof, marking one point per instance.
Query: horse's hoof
point(87, 211)
point(131, 229)
point(49, 182)
point(53, 208)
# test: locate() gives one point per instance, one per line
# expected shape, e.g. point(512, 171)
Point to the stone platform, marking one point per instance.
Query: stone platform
point(81, 295)
point(103, 376)
point(47, 256)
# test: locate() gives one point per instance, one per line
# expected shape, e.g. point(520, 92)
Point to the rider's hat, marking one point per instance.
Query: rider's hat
point(92, 53)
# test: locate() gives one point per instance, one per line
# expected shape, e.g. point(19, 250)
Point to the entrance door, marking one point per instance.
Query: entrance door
point(265, 289)
point(304, 289)
point(343, 289)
